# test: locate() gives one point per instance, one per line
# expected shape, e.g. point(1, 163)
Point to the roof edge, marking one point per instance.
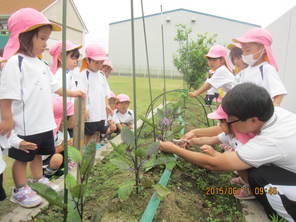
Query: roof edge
point(187, 10)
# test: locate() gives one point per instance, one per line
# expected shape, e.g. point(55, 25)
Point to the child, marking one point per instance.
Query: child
point(112, 119)
point(26, 88)
point(53, 163)
point(107, 67)
point(263, 69)
point(236, 58)
point(230, 140)
point(72, 56)
point(220, 65)
point(212, 93)
point(97, 92)
point(124, 115)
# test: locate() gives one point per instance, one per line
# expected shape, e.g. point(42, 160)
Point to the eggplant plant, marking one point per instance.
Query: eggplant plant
point(77, 190)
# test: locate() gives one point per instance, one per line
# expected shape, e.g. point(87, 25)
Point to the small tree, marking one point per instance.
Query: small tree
point(190, 60)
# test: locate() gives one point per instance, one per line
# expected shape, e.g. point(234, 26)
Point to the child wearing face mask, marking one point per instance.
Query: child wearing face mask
point(262, 69)
point(222, 77)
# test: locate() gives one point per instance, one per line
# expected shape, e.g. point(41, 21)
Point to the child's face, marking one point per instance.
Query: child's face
point(72, 62)
point(39, 40)
point(215, 63)
point(112, 103)
point(252, 48)
point(123, 106)
point(95, 66)
point(106, 70)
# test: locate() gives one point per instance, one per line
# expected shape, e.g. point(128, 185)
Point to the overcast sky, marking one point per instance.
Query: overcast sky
point(98, 14)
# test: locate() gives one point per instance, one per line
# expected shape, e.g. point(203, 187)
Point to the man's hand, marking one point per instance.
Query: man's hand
point(27, 146)
point(209, 150)
point(188, 135)
point(6, 126)
point(168, 147)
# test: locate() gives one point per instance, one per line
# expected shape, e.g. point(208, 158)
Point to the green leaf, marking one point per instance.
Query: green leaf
point(161, 191)
point(74, 154)
point(120, 164)
point(77, 191)
point(70, 181)
point(88, 160)
point(128, 136)
point(73, 215)
point(141, 152)
point(48, 193)
point(125, 189)
point(121, 148)
point(170, 165)
point(153, 148)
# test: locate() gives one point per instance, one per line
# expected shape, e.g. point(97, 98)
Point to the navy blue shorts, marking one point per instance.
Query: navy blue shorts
point(45, 146)
point(91, 128)
point(2, 191)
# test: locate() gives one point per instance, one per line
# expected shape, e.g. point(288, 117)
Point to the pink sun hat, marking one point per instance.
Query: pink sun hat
point(262, 36)
point(112, 95)
point(123, 98)
point(218, 51)
point(24, 20)
point(2, 59)
point(56, 50)
point(108, 62)
point(218, 114)
point(94, 52)
point(234, 45)
point(58, 111)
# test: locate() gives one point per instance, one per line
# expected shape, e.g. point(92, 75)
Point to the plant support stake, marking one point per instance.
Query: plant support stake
point(134, 91)
point(64, 37)
point(148, 69)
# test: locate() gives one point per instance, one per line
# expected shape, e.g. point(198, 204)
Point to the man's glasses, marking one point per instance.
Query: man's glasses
point(231, 122)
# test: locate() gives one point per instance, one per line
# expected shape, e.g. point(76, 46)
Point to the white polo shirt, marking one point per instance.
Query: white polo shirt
point(275, 144)
point(269, 79)
point(127, 117)
point(222, 78)
point(107, 85)
point(31, 91)
point(70, 82)
point(96, 93)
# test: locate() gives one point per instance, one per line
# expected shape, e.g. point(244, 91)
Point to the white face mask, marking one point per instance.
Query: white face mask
point(249, 59)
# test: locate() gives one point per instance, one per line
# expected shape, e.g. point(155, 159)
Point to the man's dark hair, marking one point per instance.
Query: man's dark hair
point(248, 100)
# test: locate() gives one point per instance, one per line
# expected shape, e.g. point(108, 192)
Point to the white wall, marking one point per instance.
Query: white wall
point(283, 31)
point(120, 39)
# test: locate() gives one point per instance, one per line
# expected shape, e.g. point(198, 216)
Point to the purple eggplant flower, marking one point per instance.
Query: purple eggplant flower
point(165, 122)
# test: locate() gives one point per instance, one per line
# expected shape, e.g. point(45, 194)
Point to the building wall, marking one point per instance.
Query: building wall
point(120, 39)
point(283, 31)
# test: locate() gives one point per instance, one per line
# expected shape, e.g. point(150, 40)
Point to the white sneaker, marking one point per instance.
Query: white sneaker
point(46, 181)
point(25, 197)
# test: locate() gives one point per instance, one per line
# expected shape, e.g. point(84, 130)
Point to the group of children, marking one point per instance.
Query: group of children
point(31, 101)
point(251, 61)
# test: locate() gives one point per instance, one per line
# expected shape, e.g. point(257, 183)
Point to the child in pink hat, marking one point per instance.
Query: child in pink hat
point(222, 78)
point(262, 69)
point(97, 91)
point(235, 55)
point(229, 141)
point(123, 114)
point(52, 163)
point(107, 67)
point(26, 88)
